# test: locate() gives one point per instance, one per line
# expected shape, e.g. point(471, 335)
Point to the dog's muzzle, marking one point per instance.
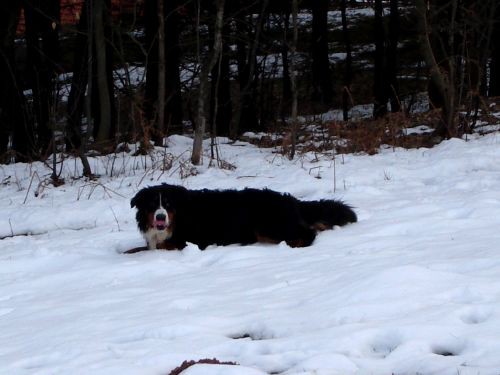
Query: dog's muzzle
point(160, 221)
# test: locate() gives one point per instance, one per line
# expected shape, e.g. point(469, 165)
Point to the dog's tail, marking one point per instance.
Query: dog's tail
point(325, 214)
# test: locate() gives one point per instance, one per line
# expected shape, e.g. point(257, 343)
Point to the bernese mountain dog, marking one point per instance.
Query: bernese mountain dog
point(169, 216)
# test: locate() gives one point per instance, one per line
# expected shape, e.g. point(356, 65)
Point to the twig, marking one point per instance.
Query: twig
point(116, 219)
point(29, 187)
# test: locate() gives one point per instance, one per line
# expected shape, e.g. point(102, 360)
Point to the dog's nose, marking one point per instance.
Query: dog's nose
point(161, 217)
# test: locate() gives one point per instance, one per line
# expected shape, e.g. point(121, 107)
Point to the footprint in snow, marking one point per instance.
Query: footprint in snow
point(475, 315)
point(385, 343)
point(448, 350)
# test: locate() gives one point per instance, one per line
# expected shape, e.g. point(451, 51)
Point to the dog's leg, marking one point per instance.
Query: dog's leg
point(300, 236)
point(136, 250)
point(171, 245)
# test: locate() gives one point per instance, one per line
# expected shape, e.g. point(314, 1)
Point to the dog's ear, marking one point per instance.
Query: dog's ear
point(136, 201)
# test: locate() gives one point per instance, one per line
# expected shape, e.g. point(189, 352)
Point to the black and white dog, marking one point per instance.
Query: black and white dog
point(169, 216)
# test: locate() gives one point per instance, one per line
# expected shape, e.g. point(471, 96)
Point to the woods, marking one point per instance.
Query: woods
point(92, 74)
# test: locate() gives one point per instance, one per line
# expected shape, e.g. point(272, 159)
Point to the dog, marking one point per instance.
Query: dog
point(169, 216)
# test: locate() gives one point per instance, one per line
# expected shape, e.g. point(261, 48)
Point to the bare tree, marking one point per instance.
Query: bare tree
point(293, 78)
point(392, 57)
point(321, 73)
point(287, 86)
point(494, 83)
point(12, 108)
point(161, 71)
point(207, 65)
point(78, 102)
point(455, 36)
point(221, 104)
point(102, 15)
point(165, 116)
point(346, 90)
point(245, 117)
point(443, 66)
point(379, 82)
point(42, 40)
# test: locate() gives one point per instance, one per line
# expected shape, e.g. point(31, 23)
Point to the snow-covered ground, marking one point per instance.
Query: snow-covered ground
point(412, 288)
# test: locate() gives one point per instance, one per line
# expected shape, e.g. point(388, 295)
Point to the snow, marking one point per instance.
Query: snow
point(419, 129)
point(412, 288)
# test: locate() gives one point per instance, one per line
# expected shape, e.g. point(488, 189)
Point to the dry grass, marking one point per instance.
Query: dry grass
point(360, 136)
point(368, 135)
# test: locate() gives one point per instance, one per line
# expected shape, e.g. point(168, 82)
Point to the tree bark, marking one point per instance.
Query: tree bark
point(151, 41)
point(76, 140)
point(172, 107)
point(287, 86)
point(346, 90)
point(321, 73)
point(379, 84)
point(293, 79)
point(104, 128)
point(173, 95)
point(220, 98)
point(245, 117)
point(442, 76)
point(76, 96)
point(206, 66)
point(160, 130)
point(494, 85)
point(392, 57)
point(42, 40)
point(11, 97)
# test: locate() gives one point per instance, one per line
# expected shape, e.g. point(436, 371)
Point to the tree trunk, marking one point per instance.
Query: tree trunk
point(11, 97)
point(379, 84)
point(346, 90)
point(206, 67)
point(76, 140)
point(104, 128)
point(494, 84)
point(293, 79)
point(442, 74)
point(76, 97)
point(321, 74)
point(392, 57)
point(42, 40)
point(287, 86)
point(173, 95)
point(220, 97)
point(172, 107)
point(245, 116)
point(160, 129)
point(151, 41)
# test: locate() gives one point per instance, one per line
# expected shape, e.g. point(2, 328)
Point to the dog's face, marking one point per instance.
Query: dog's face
point(154, 211)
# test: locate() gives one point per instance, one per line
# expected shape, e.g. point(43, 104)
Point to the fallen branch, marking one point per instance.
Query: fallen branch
point(187, 364)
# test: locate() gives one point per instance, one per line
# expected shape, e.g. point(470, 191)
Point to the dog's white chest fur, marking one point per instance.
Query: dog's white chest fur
point(154, 236)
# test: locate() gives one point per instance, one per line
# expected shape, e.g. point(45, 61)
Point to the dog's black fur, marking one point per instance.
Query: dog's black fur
point(224, 217)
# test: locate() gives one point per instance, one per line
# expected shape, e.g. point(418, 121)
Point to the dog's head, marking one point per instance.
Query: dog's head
point(155, 209)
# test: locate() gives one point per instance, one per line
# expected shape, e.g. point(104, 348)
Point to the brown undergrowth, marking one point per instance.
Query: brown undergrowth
point(368, 135)
point(392, 130)
point(357, 136)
